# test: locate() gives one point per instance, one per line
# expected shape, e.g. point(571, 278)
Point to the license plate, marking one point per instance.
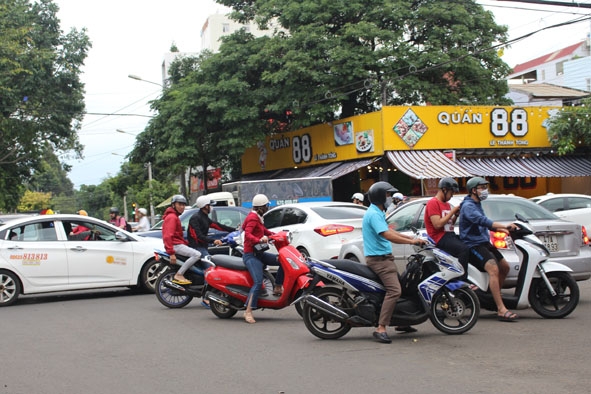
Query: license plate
point(550, 241)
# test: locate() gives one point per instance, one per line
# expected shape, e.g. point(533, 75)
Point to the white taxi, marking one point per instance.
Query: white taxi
point(50, 253)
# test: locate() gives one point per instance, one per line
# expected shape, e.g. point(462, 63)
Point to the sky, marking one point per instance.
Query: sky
point(132, 36)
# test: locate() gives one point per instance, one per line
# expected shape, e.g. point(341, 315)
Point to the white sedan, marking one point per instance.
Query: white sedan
point(319, 229)
point(572, 207)
point(50, 253)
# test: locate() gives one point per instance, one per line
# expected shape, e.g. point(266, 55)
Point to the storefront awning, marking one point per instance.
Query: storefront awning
point(538, 166)
point(426, 164)
point(331, 170)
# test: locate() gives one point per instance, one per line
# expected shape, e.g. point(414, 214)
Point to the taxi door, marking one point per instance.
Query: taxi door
point(36, 255)
point(100, 259)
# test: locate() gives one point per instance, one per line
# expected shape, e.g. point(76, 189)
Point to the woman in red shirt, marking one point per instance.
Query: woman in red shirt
point(256, 233)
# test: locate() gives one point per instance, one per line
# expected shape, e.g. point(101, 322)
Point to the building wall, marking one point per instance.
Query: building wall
point(577, 74)
point(219, 25)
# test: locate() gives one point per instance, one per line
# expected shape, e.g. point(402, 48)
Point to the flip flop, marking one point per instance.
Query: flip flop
point(181, 281)
point(508, 316)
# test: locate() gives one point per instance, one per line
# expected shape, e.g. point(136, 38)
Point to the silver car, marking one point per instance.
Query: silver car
point(564, 239)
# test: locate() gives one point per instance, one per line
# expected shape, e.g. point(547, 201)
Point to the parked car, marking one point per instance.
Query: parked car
point(227, 215)
point(38, 255)
point(563, 239)
point(318, 228)
point(573, 207)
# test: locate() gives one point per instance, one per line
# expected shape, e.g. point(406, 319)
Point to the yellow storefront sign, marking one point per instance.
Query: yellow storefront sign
point(402, 128)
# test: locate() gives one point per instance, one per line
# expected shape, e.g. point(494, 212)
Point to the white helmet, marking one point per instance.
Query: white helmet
point(143, 211)
point(357, 196)
point(203, 201)
point(398, 196)
point(260, 200)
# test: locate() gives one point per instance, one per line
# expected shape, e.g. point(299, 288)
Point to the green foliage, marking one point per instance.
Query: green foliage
point(34, 201)
point(41, 96)
point(571, 128)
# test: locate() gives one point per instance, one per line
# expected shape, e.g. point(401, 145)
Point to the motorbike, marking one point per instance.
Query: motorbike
point(353, 295)
point(174, 295)
point(229, 281)
point(545, 285)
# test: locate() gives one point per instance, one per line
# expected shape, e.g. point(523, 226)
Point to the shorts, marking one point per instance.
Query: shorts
point(482, 253)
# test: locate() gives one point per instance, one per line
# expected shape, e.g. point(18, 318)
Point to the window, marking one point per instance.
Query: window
point(227, 217)
point(554, 204)
point(559, 68)
point(34, 232)
point(579, 202)
point(226, 27)
point(293, 216)
point(81, 230)
point(273, 218)
point(404, 218)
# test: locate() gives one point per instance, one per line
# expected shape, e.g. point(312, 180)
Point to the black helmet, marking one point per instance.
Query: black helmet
point(449, 184)
point(114, 210)
point(475, 182)
point(377, 192)
point(178, 198)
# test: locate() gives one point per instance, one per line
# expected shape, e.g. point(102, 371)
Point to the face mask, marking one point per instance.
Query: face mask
point(483, 195)
point(388, 202)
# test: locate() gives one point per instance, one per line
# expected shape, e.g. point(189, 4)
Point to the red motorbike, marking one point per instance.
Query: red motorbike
point(228, 282)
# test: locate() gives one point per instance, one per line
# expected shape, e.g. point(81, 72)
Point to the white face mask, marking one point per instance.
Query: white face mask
point(388, 202)
point(483, 195)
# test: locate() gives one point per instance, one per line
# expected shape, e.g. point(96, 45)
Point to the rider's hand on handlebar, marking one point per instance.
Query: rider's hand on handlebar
point(217, 242)
point(264, 240)
point(418, 242)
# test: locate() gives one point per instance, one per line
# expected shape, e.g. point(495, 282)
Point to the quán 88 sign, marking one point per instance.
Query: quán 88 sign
point(502, 122)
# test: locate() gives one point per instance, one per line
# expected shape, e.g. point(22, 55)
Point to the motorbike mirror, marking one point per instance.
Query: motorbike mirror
point(521, 218)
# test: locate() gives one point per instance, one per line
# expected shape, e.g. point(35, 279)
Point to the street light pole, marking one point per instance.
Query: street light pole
point(138, 78)
point(150, 186)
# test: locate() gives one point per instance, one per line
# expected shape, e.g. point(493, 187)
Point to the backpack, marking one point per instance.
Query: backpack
point(127, 225)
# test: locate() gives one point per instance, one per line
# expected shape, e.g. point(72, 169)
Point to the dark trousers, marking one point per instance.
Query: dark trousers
point(452, 244)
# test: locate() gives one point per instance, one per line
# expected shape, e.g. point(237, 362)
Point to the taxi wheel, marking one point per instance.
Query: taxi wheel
point(10, 288)
point(149, 276)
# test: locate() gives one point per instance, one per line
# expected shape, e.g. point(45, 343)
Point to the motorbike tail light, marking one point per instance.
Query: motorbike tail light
point(585, 236)
point(333, 229)
point(500, 240)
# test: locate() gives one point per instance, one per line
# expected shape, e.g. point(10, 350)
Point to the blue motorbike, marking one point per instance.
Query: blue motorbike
point(352, 295)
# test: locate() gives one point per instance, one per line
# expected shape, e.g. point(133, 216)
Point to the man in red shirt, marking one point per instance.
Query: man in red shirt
point(440, 218)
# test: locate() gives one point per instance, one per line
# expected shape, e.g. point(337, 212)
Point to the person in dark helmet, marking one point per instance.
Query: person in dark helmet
point(475, 230)
point(116, 219)
point(440, 218)
point(174, 240)
point(377, 238)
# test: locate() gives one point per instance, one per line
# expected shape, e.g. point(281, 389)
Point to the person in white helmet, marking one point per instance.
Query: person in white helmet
point(357, 198)
point(256, 233)
point(144, 223)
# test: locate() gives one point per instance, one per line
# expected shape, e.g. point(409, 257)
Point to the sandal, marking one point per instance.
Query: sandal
point(508, 316)
point(278, 291)
point(248, 318)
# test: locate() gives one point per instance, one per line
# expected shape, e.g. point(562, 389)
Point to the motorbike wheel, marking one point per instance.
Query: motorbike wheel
point(221, 311)
point(559, 306)
point(169, 297)
point(322, 325)
point(455, 315)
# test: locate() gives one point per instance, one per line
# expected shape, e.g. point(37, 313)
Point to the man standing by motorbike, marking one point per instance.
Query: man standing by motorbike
point(174, 240)
point(440, 218)
point(474, 232)
point(377, 238)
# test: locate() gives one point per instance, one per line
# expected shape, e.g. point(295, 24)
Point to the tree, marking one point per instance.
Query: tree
point(352, 57)
point(41, 96)
point(570, 128)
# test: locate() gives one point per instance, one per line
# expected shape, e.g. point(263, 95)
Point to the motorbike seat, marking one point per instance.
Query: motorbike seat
point(230, 262)
point(354, 268)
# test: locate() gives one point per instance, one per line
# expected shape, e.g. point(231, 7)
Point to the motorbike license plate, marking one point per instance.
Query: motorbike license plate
point(551, 242)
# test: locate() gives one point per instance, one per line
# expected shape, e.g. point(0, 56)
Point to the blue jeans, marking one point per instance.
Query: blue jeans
point(255, 264)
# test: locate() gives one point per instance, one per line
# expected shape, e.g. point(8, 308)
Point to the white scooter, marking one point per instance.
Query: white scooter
point(546, 285)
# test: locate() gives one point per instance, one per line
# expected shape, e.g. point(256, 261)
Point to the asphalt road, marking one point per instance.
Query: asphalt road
point(119, 342)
